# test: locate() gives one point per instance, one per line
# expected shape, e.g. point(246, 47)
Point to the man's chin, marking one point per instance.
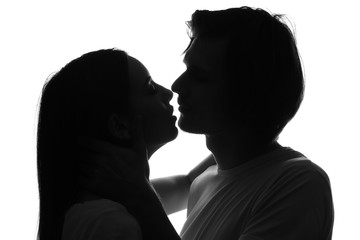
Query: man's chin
point(189, 127)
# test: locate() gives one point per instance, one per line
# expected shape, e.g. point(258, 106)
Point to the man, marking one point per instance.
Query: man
point(242, 85)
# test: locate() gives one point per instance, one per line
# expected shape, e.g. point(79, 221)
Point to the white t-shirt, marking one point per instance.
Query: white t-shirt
point(100, 220)
point(280, 195)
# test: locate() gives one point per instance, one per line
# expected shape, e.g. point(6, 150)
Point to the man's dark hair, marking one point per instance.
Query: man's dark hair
point(262, 63)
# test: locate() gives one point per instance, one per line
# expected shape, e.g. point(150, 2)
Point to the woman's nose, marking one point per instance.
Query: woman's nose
point(168, 95)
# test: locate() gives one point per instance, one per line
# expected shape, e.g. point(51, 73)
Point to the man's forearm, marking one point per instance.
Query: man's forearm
point(173, 192)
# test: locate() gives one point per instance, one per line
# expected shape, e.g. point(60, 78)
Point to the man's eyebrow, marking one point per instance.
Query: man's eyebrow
point(193, 65)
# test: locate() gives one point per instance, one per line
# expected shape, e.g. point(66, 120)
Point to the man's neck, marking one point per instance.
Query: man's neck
point(231, 150)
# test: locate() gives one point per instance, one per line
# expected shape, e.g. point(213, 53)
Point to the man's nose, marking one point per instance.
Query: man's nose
point(177, 85)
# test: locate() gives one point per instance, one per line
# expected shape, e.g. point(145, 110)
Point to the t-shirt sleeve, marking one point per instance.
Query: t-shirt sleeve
point(295, 206)
point(89, 222)
point(113, 226)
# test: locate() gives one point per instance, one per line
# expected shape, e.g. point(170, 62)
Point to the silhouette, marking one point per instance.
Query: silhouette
point(103, 98)
point(243, 83)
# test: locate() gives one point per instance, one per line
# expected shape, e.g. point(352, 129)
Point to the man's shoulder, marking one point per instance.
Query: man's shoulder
point(304, 168)
point(299, 177)
point(297, 182)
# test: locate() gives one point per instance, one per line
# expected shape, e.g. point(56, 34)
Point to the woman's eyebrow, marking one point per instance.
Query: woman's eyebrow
point(147, 80)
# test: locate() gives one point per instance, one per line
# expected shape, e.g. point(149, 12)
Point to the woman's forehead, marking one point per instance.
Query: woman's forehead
point(138, 74)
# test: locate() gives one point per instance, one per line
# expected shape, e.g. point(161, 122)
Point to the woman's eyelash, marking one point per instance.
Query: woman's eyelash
point(152, 86)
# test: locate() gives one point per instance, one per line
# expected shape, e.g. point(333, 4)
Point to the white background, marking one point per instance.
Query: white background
point(39, 37)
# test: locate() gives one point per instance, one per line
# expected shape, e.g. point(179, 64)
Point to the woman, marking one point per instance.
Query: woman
point(96, 96)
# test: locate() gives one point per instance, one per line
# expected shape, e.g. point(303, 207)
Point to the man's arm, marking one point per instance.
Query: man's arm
point(174, 190)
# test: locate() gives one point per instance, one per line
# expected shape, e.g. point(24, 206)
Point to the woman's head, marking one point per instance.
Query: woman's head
point(83, 97)
point(95, 95)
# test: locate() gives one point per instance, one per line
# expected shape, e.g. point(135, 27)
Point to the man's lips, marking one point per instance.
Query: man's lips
point(183, 106)
point(183, 103)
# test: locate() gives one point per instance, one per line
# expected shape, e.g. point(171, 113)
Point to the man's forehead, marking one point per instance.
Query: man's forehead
point(205, 51)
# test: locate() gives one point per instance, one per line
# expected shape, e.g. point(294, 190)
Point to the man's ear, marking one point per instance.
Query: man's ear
point(119, 127)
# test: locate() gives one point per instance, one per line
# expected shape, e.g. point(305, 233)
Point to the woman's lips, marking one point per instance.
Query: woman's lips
point(171, 110)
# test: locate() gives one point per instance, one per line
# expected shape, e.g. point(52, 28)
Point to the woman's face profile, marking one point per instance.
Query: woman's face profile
point(152, 102)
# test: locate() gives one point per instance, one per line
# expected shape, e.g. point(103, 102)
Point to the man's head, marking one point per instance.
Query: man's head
point(250, 69)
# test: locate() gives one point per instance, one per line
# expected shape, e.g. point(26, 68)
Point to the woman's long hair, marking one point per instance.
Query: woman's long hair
point(76, 101)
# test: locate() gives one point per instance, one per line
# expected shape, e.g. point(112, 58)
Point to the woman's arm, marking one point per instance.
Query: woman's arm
point(174, 190)
point(152, 217)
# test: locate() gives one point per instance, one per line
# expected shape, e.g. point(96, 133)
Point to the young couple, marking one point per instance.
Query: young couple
point(102, 117)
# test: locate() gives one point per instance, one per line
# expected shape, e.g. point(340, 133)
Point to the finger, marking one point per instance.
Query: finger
point(138, 138)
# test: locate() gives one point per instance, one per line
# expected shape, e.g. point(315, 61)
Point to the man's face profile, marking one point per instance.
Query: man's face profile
point(203, 96)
